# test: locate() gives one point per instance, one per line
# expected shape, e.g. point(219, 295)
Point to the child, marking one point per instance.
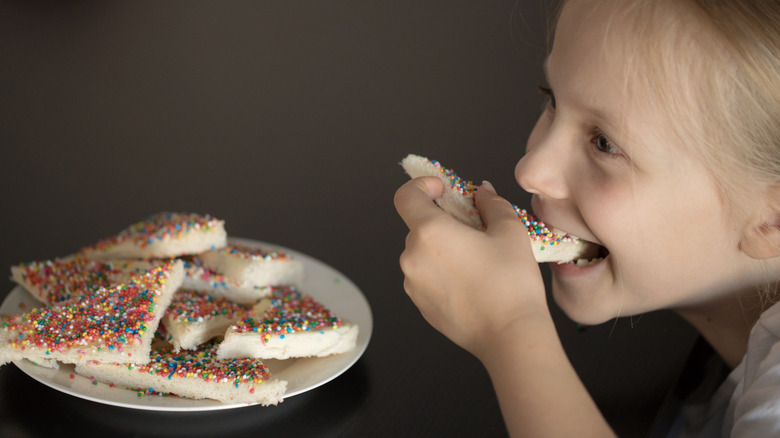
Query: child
point(661, 142)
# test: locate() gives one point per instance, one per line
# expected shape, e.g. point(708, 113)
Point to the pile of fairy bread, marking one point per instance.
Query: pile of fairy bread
point(169, 305)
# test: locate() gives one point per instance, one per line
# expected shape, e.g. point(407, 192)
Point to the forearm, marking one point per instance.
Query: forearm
point(538, 390)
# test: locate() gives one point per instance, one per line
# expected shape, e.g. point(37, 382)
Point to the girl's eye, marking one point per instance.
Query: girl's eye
point(548, 91)
point(599, 140)
point(603, 144)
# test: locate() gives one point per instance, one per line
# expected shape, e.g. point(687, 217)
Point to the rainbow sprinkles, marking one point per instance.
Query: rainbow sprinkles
point(195, 374)
point(288, 324)
point(115, 323)
point(160, 236)
point(458, 200)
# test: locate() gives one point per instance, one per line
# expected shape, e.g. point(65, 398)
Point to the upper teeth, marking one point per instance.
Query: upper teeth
point(586, 262)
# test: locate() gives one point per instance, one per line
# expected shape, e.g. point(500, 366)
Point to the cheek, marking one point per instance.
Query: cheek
point(662, 241)
point(608, 216)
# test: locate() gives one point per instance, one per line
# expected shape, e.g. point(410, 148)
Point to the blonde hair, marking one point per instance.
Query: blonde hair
point(713, 68)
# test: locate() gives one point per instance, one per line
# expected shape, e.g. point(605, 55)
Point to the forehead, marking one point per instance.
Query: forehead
point(637, 45)
point(610, 59)
point(590, 41)
point(586, 67)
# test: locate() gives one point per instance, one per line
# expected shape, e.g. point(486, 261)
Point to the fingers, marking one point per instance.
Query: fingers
point(413, 200)
point(497, 213)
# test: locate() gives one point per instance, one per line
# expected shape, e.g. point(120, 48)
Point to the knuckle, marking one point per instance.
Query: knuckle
point(400, 196)
point(409, 263)
point(420, 242)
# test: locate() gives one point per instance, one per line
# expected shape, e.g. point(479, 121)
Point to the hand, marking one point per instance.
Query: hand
point(468, 284)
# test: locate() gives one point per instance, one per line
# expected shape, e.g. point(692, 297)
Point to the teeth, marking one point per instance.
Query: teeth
point(585, 262)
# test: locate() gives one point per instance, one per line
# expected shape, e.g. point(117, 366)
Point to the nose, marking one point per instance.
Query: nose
point(542, 171)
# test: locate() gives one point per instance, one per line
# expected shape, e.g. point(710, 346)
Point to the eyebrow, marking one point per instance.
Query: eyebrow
point(598, 113)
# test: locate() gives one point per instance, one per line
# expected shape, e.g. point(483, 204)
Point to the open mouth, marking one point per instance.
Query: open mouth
point(591, 254)
point(554, 245)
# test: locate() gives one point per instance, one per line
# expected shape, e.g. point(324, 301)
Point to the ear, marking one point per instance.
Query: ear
point(761, 237)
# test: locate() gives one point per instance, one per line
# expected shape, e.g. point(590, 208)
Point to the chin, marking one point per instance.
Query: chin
point(583, 310)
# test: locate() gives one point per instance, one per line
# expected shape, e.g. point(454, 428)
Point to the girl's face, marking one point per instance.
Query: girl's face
point(605, 168)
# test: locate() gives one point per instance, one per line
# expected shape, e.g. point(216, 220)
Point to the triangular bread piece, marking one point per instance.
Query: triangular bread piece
point(162, 235)
point(288, 324)
point(197, 374)
point(254, 266)
point(57, 280)
point(201, 278)
point(194, 317)
point(110, 324)
point(458, 200)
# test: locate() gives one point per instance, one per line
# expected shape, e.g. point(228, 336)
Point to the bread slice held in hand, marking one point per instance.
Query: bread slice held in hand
point(288, 324)
point(458, 200)
point(109, 324)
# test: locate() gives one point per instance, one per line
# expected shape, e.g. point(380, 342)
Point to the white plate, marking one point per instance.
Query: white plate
point(324, 283)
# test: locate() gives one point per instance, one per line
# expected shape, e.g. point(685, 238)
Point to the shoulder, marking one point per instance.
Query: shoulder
point(769, 322)
point(755, 405)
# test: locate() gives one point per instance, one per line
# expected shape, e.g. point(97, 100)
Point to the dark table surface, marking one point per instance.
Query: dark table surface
point(288, 120)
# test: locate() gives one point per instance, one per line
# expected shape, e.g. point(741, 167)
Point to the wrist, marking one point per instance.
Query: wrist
point(529, 331)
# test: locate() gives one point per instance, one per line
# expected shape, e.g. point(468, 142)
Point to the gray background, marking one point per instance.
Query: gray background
point(288, 120)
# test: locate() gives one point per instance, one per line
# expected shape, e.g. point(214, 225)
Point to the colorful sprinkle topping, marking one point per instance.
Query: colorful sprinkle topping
point(158, 227)
point(194, 306)
point(463, 186)
point(290, 311)
point(194, 268)
point(58, 280)
point(203, 364)
point(108, 318)
point(248, 253)
point(537, 229)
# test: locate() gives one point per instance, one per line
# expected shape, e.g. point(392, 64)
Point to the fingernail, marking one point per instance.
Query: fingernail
point(489, 187)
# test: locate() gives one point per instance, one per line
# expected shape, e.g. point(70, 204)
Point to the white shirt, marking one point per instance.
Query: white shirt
point(747, 404)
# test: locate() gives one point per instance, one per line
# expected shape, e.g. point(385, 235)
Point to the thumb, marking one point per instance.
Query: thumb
point(413, 200)
point(497, 213)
